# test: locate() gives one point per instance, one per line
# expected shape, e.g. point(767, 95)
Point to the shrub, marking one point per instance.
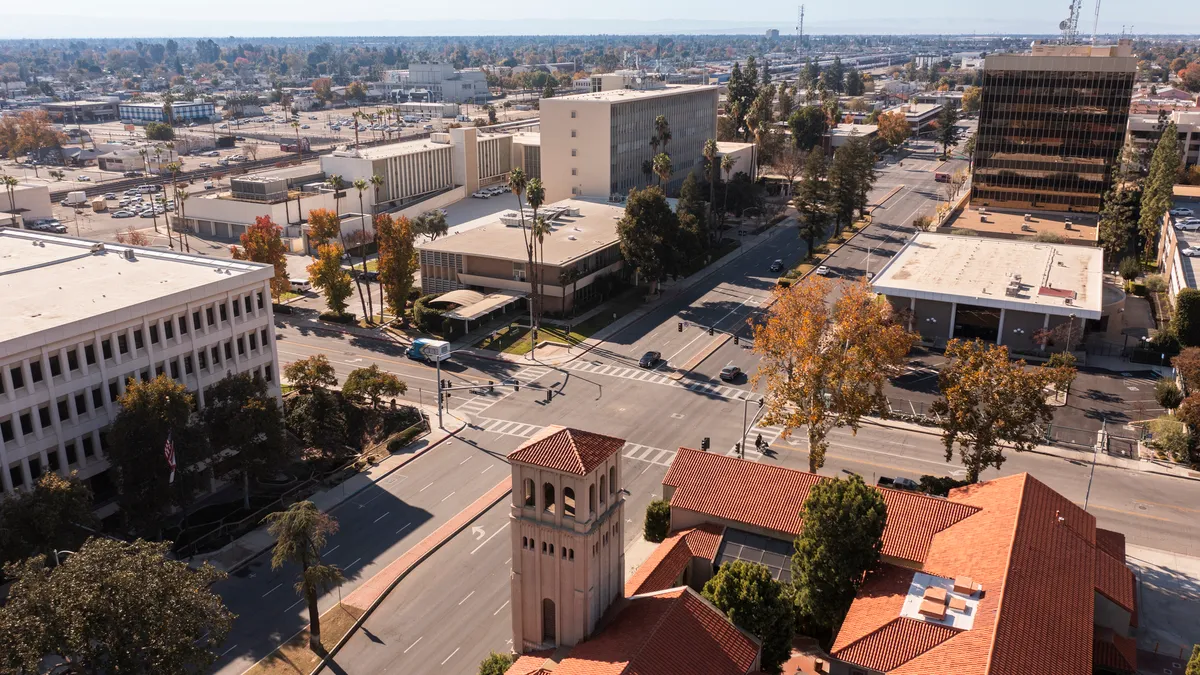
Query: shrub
point(1193, 664)
point(658, 521)
point(1167, 393)
point(1186, 322)
point(1171, 438)
point(1156, 283)
point(940, 485)
point(495, 664)
point(427, 318)
point(335, 317)
point(1188, 365)
point(1049, 238)
point(1129, 268)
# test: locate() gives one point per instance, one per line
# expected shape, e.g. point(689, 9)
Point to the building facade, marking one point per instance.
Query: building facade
point(595, 145)
point(27, 202)
point(1051, 126)
point(121, 312)
point(442, 82)
point(1145, 130)
point(181, 111)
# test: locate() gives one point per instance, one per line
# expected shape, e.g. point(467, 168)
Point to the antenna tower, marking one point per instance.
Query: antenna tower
point(1096, 22)
point(1070, 25)
point(800, 28)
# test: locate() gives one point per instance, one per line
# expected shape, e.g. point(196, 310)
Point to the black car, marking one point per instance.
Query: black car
point(650, 359)
point(369, 275)
point(777, 266)
point(131, 174)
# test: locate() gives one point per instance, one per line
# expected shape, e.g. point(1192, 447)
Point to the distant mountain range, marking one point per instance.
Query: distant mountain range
point(149, 26)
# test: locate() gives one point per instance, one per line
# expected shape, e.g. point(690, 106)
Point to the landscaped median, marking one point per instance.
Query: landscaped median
point(339, 622)
point(818, 257)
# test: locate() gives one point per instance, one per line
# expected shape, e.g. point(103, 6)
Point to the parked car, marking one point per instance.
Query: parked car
point(122, 214)
point(480, 195)
point(1182, 212)
point(649, 359)
point(730, 373)
point(110, 195)
point(823, 270)
point(777, 266)
point(901, 483)
point(131, 174)
point(83, 178)
point(300, 285)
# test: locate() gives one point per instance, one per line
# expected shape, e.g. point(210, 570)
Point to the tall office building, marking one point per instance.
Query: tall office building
point(596, 144)
point(1051, 126)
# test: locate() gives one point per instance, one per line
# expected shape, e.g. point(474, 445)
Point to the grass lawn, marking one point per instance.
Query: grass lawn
point(517, 340)
point(288, 295)
point(295, 658)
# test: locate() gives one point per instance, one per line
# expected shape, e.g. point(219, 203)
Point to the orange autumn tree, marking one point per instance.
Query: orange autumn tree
point(323, 225)
point(397, 260)
point(263, 243)
point(825, 365)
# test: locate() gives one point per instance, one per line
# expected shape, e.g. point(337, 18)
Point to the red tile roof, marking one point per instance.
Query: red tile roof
point(1114, 580)
point(896, 643)
point(771, 497)
point(670, 558)
point(1024, 545)
point(1112, 543)
point(530, 663)
point(1117, 655)
point(674, 632)
point(567, 450)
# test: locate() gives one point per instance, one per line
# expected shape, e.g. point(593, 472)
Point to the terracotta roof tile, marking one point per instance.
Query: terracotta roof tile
point(530, 663)
point(672, 556)
point(1118, 655)
point(567, 450)
point(1114, 580)
point(879, 601)
point(672, 632)
point(771, 497)
point(1112, 543)
point(897, 642)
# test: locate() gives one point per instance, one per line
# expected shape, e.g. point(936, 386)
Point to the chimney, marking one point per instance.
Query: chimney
point(966, 586)
point(933, 610)
point(935, 594)
point(958, 604)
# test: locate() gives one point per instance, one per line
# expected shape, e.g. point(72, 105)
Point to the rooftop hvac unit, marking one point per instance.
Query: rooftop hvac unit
point(129, 254)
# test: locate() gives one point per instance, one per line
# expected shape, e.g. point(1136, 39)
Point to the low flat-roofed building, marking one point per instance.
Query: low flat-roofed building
point(919, 115)
point(745, 159)
point(82, 317)
point(1179, 249)
point(1144, 133)
point(181, 111)
point(953, 286)
point(284, 195)
point(27, 202)
point(844, 133)
point(488, 255)
point(73, 112)
point(1084, 228)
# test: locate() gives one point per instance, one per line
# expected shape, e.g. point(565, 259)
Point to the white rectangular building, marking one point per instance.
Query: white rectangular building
point(82, 317)
point(28, 202)
point(594, 145)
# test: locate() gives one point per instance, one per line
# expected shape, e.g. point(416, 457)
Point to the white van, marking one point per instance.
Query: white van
point(300, 285)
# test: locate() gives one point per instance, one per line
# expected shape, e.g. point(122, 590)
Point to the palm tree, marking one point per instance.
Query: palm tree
point(174, 168)
point(10, 185)
point(541, 230)
point(336, 182)
point(727, 163)
point(181, 197)
point(710, 155)
point(367, 302)
point(300, 533)
point(145, 164)
point(571, 276)
point(663, 169)
point(376, 182)
point(517, 183)
point(535, 195)
point(296, 128)
point(662, 131)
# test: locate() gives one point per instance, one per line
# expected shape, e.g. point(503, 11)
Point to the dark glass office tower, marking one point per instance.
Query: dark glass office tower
point(1051, 126)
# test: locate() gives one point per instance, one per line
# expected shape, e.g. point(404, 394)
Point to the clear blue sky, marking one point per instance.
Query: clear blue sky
point(137, 18)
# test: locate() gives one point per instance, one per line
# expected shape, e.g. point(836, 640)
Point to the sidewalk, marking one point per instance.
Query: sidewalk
point(553, 355)
point(1087, 456)
point(248, 546)
point(1168, 585)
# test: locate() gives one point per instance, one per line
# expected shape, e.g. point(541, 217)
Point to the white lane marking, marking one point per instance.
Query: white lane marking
point(353, 563)
point(406, 525)
point(228, 650)
point(490, 467)
point(460, 602)
point(447, 496)
point(451, 655)
point(464, 461)
point(333, 549)
point(272, 590)
point(485, 541)
point(385, 515)
point(425, 488)
point(501, 607)
point(414, 644)
point(294, 604)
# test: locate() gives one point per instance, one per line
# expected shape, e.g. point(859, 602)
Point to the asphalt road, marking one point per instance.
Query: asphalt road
point(451, 611)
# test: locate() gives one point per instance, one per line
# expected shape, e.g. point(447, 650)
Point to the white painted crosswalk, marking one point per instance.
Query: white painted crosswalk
point(653, 377)
point(648, 454)
point(769, 434)
point(634, 451)
point(477, 404)
point(508, 427)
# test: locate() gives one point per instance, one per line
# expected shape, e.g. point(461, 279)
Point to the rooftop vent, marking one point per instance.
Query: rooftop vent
point(97, 247)
point(934, 610)
point(966, 585)
point(129, 254)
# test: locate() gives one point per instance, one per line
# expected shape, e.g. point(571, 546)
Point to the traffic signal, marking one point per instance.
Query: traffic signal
point(760, 403)
point(491, 388)
point(549, 395)
point(680, 327)
point(737, 447)
point(704, 444)
point(710, 330)
point(735, 340)
point(516, 386)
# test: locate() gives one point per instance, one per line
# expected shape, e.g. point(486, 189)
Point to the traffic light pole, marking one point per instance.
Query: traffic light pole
point(745, 428)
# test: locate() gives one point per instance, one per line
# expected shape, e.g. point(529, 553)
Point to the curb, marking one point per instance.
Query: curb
point(892, 193)
point(242, 563)
point(400, 577)
point(700, 357)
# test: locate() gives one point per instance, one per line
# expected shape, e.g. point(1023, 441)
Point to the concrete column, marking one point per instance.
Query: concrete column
point(65, 364)
point(953, 313)
point(26, 474)
point(27, 374)
point(1045, 326)
point(6, 478)
point(1000, 329)
point(6, 376)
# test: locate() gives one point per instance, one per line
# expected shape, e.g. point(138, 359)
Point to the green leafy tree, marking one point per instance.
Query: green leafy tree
point(327, 274)
point(113, 607)
point(658, 520)
point(1193, 664)
point(495, 664)
point(1187, 363)
point(149, 413)
point(431, 224)
point(646, 233)
point(971, 99)
point(840, 539)
point(318, 418)
point(158, 131)
point(1185, 323)
point(758, 604)
point(1062, 365)
point(372, 384)
point(46, 519)
point(986, 400)
point(812, 198)
point(947, 130)
point(1129, 268)
point(1167, 394)
point(1159, 186)
point(1118, 220)
point(808, 125)
point(310, 373)
point(300, 533)
point(243, 417)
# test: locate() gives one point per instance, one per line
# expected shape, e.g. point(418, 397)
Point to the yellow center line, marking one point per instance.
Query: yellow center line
point(1124, 512)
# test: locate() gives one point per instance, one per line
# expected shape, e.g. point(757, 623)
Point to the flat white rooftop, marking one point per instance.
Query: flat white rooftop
point(393, 149)
point(616, 95)
point(571, 236)
point(55, 286)
point(1058, 279)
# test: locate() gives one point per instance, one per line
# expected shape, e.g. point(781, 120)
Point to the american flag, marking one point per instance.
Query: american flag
point(169, 453)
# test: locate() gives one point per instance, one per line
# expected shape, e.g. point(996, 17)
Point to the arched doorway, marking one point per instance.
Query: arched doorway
point(548, 621)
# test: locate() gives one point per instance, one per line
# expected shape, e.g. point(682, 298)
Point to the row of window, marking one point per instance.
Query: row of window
point(119, 343)
point(530, 544)
point(608, 487)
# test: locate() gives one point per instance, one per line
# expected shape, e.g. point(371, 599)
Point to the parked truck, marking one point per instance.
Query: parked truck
point(901, 483)
point(76, 198)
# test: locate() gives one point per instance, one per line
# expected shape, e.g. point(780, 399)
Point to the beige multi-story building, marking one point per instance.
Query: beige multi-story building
point(83, 317)
point(1144, 131)
point(596, 145)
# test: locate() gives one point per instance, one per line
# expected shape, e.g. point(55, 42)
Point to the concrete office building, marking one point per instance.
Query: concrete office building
point(1144, 133)
point(594, 145)
point(442, 82)
point(488, 255)
point(181, 111)
point(27, 203)
point(1051, 126)
point(119, 312)
point(283, 195)
point(1002, 291)
point(74, 112)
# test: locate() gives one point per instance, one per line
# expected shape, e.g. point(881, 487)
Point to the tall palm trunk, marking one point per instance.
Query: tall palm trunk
point(369, 304)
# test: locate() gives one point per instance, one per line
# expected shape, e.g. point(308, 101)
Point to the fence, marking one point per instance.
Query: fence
point(1070, 437)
